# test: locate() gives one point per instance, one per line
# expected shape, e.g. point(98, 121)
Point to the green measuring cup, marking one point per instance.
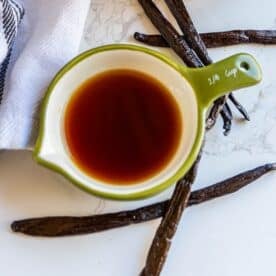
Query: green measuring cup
point(193, 89)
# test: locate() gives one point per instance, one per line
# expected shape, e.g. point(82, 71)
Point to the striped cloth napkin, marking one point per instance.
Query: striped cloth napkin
point(11, 16)
point(37, 37)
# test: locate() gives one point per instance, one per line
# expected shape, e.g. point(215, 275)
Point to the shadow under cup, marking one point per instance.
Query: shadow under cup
point(55, 151)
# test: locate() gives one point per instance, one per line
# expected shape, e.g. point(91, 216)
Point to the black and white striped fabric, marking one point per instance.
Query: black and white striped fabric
point(11, 14)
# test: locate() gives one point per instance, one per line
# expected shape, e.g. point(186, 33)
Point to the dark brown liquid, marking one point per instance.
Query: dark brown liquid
point(122, 126)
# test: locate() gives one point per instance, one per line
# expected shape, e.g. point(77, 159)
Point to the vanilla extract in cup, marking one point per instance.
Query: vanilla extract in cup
point(122, 126)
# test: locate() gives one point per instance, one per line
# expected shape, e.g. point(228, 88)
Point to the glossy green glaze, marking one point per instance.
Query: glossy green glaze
point(208, 83)
point(213, 81)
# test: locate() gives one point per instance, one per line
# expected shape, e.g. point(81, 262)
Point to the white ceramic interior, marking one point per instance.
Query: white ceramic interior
point(54, 149)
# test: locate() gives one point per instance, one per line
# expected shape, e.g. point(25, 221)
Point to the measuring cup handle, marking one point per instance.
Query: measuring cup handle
point(213, 81)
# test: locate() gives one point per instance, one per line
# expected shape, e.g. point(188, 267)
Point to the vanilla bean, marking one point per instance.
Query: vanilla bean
point(229, 111)
point(67, 226)
point(161, 243)
point(163, 238)
point(213, 114)
point(239, 107)
point(234, 37)
point(151, 40)
point(187, 26)
point(227, 122)
point(218, 39)
point(177, 43)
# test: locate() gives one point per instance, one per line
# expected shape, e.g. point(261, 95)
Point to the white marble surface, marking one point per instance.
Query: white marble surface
point(235, 235)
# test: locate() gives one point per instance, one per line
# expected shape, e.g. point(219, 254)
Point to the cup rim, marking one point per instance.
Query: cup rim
point(185, 166)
